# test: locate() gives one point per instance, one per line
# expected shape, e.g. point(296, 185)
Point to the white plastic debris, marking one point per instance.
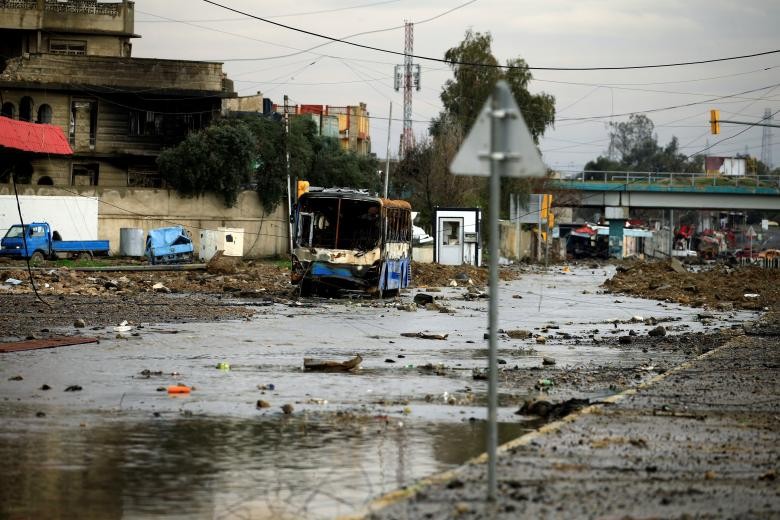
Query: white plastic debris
point(123, 327)
point(13, 281)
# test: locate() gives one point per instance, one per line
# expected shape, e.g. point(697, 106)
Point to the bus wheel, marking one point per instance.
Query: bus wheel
point(37, 258)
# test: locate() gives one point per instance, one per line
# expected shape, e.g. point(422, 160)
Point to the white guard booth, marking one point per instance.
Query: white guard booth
point(228, 240)
point(457, 236)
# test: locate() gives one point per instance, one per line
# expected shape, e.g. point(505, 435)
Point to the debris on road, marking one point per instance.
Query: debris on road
point(319, 365)
point(424, 335)
point(179, 389)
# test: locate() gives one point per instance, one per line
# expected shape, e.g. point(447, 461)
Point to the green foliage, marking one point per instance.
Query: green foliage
point(251, 149)
point(217, 159)
point(635, 147)
point(423, 175)
point(465, 94)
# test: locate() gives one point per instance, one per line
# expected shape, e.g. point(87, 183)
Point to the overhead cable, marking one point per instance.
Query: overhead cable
point(487, 65)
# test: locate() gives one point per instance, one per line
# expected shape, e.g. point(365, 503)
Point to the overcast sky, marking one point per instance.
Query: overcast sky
point(546, 33)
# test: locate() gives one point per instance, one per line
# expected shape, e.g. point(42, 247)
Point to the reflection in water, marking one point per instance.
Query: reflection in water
point(270, 467)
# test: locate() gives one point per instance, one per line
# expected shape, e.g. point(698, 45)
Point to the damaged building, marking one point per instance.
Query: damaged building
point(69, 63)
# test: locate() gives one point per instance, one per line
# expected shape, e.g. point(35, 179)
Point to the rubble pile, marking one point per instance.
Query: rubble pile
point(722, 287)
point(436, 275)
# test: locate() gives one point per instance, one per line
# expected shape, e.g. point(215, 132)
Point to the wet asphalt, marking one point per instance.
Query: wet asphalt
point(702, 441)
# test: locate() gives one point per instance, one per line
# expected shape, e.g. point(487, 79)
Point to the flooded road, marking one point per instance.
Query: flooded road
point(121, 448)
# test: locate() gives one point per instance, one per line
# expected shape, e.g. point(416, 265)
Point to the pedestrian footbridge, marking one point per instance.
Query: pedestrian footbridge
point(674, 190)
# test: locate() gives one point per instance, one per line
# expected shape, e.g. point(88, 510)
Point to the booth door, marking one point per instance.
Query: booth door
point(450, 241)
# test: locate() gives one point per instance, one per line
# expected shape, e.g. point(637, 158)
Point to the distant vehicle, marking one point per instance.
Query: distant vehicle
point(37, 242)
point(346, 239)
point(169, 245)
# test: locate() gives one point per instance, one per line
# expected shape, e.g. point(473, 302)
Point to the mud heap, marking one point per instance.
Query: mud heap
point(721, 287)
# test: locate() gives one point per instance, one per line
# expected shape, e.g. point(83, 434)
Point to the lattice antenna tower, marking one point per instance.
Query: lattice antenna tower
point(407, 76)
point(766, 140)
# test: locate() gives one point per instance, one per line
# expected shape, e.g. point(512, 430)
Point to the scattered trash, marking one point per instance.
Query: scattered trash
point(751, 296)
point(263, 404)
point(269, 386)
point(223, 365)
point(544, 384)
point(123, 327)
point(548, 361)
point(179, 389)
point(73, 388)
point(160, 288)
point(625, 340)
point(318, 365)
point(40, 414)
point(79, 323)
point(45, 387)
point(424, 335)
point(287, 409)
point(541, 340)
point(16, 378)
point(388, 360)
point(12, 281)
point(315, 400)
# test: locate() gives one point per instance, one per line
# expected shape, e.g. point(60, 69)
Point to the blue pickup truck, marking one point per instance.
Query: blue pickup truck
point(37, 242)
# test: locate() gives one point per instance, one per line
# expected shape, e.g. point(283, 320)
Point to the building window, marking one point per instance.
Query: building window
point(44, 114)
point(8, 110)
point(85, 175)
point(72, 47)
point(26, 109)
point(144, 122)
point(83, 106)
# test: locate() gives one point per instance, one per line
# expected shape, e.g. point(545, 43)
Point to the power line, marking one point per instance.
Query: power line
point(735, 135)
point(487, 65)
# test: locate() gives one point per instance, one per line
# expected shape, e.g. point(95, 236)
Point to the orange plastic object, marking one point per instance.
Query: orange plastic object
point(179, 389)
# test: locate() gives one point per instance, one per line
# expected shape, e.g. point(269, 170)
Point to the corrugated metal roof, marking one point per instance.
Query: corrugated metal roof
point(32, 137)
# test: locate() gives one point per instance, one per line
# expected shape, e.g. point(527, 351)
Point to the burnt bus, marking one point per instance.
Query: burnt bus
point(349, 240)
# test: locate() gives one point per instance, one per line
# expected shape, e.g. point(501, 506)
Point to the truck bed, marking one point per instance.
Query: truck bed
point(72, 246)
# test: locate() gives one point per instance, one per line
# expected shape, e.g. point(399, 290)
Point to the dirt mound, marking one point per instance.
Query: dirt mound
point(722, 287)
point(435, 275)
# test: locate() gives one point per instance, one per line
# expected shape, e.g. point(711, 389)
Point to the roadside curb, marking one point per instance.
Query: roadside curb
point(398, 495)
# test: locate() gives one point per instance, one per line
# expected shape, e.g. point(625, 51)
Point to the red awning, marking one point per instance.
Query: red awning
point(32, 137)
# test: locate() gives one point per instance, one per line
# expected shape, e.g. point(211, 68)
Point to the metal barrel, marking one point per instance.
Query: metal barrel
point(131, 242)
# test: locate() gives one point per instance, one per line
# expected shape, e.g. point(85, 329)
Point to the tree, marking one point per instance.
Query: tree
point(423, 175)
point(633, 146)
point(464, 95)
point(248, 149)
point(217, 159)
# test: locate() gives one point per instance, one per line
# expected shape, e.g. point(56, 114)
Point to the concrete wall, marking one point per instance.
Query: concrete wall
point(508, 241)
point(115, 72)
point(72, 16)
point(264, 234)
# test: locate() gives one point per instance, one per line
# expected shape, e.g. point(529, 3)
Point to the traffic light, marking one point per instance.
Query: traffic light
point(715, 122)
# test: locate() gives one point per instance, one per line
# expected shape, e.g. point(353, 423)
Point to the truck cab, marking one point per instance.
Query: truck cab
point(37, 242)
point(36, 237)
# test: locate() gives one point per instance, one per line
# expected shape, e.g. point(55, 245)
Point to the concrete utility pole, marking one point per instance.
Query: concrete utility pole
point(387, 160)
point(287, 166)
point(766, 140)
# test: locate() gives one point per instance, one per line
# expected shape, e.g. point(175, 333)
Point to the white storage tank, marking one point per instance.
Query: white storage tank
point(131, 242)
point(228, 240)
